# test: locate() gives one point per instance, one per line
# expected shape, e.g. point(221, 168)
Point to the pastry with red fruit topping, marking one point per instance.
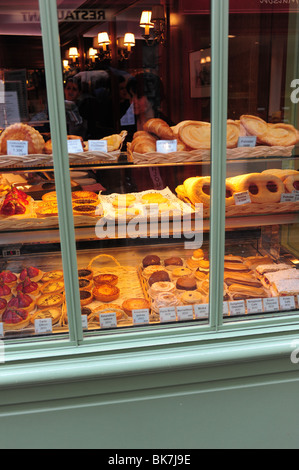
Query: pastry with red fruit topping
point(28, 287)
point(8, 278)
point(15, 319)
point(33, 273)
point(15, 203)
point(5, 291)
point(22, 302)
point(3, 305)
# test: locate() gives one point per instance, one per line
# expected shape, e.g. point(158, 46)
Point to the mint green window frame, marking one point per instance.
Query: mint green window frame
point(147, 336)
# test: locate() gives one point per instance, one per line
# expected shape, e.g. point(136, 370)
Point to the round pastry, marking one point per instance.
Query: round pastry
point(86, 297)
point(106, 292)
point(86, 273)
point(85, 284)
point(47, 209)
point(86, 311)
point(280, 134)
point(84, 209)
point(196, 257)
point(162, 286)
point(8, 278)
point(149, 270)
point(159, 276)
point(28, 287)
point(84, 195)
point(15, 319)
point(53, 313)
point(123, 200)
point(106, 279)
point(25, 132)
point(3, 305)
point(254, 126)
point(52, 287)
point(110, 308)
point(191, 297)
point(180, 272)
point(127, 212)
point(134, 304)
point(150, 260)
point(204, 265)
point(5, 291)
point(46, 301)
point(186, 283)
point(166, 299)
point(280, 173)
point(21, 301)
point(50, 197)
point(52, 276)
point(81, 202)
point(292, 183)
point(262, 188)
point(153, 198)
point(173, 261)
point(198, 190)
point(33, 273)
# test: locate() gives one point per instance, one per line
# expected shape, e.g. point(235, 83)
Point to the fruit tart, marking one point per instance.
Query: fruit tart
point(15, 319)
point(32, 272)
point(8, 278)
point(5, 291)
point(16, 202)
point(22, 301)
point(3, 305)
point(28, 287)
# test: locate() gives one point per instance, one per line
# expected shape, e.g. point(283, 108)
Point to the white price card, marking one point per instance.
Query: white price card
point(271, 304)
point(98, 145)
point(140, 316)
point(247, 141)
point(108, 320)
point(288, 197)
point(287, 302)
point(43, 325)
point(296, 195)
point(166, 146)
point(185, 312)
point(225, 308)
point(242, 198)
point(167, 314)
point(74, 146)
point(201, 310)
point(17, 147)
point(84, 322)
point(254, 305)
point(237, 307)
point(1, 329)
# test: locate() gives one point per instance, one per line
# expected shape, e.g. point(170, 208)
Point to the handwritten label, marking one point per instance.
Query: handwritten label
point(247, 141)
point(185, 312)
point(98, 145)
point(288, 197)
point(166, 146)
point(43, 325)
point(225, 308)
point(74, 146)
point(271, 304)
point(201, 310)
point(254, 305)
point(242, 198)
point(237, 307)
point(1, 329)
point(17, 147)
point(296, 193)
point(167, 314)
point(108, 320)
point(287, 302)
point(84, 322)
point(140, 316)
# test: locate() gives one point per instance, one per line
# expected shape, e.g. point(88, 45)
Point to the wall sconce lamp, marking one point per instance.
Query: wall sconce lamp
point(154, 24)
point(92, 54)
point(65, 65)
point(124, 45)
point(73, 53)
point(103, 42)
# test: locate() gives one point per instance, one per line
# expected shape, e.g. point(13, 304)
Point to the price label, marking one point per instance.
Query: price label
point(225, 308)
point(201, 310)
point(84, 322)
point(287, 302)
point(247, 141)
point(1, 329)
point(185, 312)
point(242, 198)
point(74, 146)
point(167, 314)
point(296, 195)
point(237, 307)
point(271, 304)
point(288, 197)
point(166, 146)
point(140, 316)
point(17, 147)
point(43, 325)
point(254, 305)
point(108, 320)
point(98, 145)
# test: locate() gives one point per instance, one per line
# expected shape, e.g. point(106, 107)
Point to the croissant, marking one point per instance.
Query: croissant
point(143, 144)
point(160, 128)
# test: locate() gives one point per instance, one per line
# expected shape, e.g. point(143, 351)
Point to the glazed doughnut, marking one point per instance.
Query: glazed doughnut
point(292, 183)
point(262, 188)
point(21, 131)
point(198, 190)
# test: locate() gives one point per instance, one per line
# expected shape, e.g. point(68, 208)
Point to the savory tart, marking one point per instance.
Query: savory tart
point(134, 304)
point(105, 279)
point(52, 287)
point(53, 313)
point(46, 301)
point(106, 292)
point(52, 276)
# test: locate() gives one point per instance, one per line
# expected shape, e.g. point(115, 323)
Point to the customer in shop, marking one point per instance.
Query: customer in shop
point(74, 121)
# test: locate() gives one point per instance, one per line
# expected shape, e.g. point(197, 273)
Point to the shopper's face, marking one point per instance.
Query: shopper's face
point(141, 105)
point(71, 91)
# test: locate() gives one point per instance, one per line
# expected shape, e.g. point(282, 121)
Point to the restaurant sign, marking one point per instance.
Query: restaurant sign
point(33, 16)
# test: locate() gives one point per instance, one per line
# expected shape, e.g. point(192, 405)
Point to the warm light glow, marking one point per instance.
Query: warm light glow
point(73, 53)
point(129, 40)
point(92, 53)
point(65, 63)
point(208, 58)
point(103, 40)
point(145, 21)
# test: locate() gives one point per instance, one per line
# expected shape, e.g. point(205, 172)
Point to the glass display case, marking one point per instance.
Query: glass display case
point(147, 179)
